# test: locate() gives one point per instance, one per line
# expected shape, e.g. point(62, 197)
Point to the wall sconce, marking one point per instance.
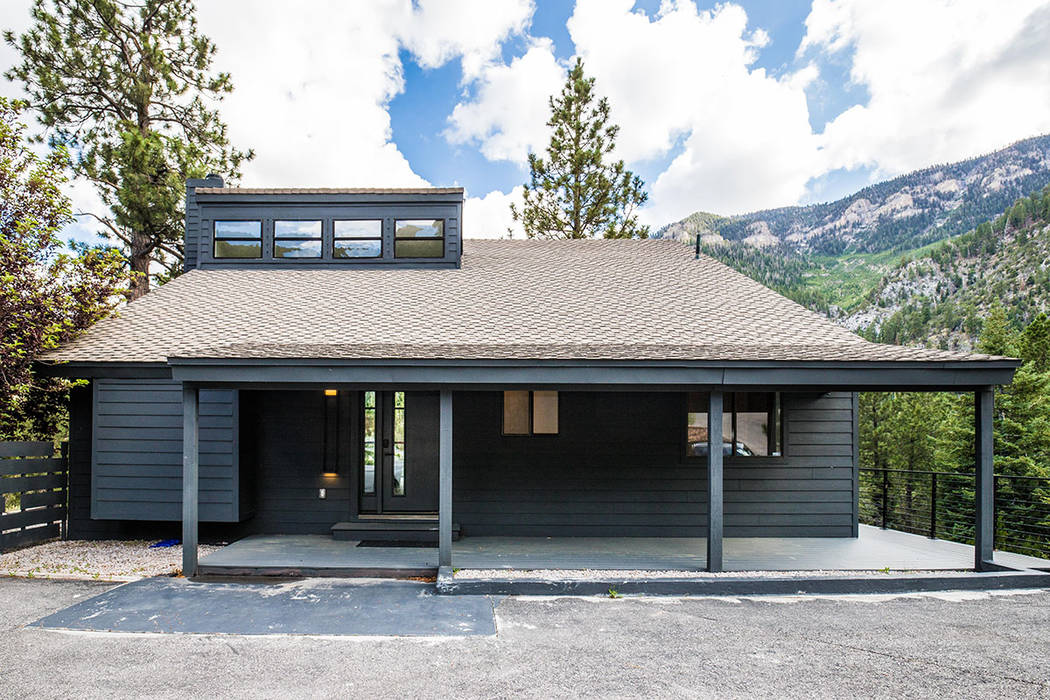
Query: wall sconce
point(330, 451)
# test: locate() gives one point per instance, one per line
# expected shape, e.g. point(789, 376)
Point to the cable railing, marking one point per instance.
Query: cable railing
point(941, 505)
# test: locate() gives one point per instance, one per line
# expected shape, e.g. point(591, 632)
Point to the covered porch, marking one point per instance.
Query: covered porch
point(873, 549)
point(713, 552)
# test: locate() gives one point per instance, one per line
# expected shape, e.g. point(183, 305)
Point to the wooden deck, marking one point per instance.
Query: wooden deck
point(319, 555)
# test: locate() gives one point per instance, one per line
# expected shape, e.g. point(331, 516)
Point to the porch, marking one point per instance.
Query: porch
point(873, 549)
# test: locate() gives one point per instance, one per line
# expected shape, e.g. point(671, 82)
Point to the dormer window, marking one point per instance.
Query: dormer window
point(296, 239)
point(419, 238)
point(362, 238)
point(238, 239)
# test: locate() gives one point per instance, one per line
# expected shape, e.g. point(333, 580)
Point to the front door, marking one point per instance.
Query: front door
point(399, 465)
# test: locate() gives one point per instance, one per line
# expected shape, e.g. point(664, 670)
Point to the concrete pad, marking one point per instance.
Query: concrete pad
point(305, 607)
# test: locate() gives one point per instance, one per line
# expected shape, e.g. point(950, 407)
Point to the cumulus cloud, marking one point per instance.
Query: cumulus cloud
point(437, 31)
point(947, 80)
point(507, 119)
point(489, 216)
point(688, 76)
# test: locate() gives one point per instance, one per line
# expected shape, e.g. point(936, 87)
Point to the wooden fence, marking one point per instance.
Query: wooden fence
point(32, 493)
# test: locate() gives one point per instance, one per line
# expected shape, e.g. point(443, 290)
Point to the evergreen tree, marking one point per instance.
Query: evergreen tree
point(125, 83)
point(574, 192)
point(998, 337)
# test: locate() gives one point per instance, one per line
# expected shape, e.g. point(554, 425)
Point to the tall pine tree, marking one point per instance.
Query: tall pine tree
point(127, 86)
point(574, 192)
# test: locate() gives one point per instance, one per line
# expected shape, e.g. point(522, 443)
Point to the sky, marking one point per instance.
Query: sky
point(723, 107)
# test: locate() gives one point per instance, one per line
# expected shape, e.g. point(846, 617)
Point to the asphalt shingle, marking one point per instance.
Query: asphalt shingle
point(512, 299)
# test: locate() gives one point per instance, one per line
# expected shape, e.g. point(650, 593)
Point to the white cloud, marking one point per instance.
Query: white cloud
point(508, 118)
point(688, 75)
point(489, 216)
point(312, 86)
point(440, 30)
point(947, 80)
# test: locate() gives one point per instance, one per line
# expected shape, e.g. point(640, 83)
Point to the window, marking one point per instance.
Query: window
point(399, 443)
point(297, 239)
point(751, 424)
point(237, 239)
point(358, 239)
point(530, 413)
point(370, 443)
point(419, 238)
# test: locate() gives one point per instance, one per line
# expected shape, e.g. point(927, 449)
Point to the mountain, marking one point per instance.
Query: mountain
point(939, 297)
point(903, 213)
point(830, 256)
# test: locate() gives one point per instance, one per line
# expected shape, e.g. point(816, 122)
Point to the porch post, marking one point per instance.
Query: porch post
point(984, 479)
point(445, 490)
point(714, 482)
point(190, 493)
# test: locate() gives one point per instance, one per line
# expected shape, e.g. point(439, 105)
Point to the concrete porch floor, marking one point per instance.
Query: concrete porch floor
point(320, 555)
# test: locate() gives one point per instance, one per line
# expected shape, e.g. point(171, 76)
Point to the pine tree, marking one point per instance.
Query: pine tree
point(128, 87)
point(574, 192)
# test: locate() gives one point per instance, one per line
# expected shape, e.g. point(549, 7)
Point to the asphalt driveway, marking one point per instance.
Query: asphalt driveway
point(944, 644)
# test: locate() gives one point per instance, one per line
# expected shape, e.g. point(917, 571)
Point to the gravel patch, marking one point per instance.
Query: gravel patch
point(101, 560)
point(631, 575)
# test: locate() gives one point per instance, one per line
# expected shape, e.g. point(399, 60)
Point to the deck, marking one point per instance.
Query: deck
point(320, 555)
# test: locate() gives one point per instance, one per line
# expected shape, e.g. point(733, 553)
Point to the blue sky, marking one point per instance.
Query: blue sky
point(723, 107)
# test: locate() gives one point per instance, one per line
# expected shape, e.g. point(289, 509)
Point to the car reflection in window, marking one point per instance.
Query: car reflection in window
point(699, 449)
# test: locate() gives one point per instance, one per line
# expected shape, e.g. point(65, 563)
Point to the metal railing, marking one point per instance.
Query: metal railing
point(941, 505)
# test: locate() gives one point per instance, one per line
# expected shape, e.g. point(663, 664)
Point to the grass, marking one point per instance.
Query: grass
point(846, 279)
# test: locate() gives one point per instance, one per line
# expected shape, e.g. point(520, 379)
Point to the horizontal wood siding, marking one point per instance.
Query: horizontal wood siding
point(617, 469)
point(282, 438)
point(136, 470)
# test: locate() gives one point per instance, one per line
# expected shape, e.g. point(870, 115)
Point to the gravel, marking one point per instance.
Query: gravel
point(103, 560)
point(635, 574)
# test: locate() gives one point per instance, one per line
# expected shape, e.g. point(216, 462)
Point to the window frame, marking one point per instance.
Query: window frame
point(442, 238)
point(336, 238)
point(319, 238)
point(780, 425)
point(215, 239)
point(532, 413)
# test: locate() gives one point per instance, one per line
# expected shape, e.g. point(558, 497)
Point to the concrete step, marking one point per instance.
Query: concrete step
point(392, 530)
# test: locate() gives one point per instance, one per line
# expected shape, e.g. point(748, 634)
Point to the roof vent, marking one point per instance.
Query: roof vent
point(217, 179)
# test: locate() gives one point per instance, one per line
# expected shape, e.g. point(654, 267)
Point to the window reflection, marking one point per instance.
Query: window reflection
point(419, 238)
point(358, 238)
point(297, 239)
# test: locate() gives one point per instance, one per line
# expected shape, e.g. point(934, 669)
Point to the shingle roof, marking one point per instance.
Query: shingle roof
point(329, 190)
point(590, 299)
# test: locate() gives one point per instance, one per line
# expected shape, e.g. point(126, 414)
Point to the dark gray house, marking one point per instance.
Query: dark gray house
point(341, 362)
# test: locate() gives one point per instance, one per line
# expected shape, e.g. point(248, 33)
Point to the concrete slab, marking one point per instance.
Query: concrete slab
point(317, 555)
point(873, 549)
point(306, 607)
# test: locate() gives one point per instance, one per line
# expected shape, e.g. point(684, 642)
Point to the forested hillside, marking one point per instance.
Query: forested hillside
point(938, 298)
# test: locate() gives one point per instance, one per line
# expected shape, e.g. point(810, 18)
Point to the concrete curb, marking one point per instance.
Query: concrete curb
point(447, 584)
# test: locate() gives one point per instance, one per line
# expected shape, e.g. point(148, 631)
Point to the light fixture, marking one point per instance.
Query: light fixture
point(331, 392)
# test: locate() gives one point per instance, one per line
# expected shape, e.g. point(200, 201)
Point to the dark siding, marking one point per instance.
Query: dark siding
point(282, 443)
point(137, 465)
point(616, 469)
point(191, 251)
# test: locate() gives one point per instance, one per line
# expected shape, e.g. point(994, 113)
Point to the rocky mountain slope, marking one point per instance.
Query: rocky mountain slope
point(903, 213)
point(939, 297)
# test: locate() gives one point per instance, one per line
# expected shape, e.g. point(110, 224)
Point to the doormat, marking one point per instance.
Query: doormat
point(398, 543)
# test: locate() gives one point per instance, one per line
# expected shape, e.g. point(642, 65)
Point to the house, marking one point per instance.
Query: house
point(341, 362)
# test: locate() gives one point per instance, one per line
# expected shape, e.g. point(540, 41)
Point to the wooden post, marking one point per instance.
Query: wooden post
point(984, 479)
point(445, 490)
point(714, 482)
point(190, 491)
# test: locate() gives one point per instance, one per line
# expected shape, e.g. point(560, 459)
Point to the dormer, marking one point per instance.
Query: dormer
point(229, 227)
